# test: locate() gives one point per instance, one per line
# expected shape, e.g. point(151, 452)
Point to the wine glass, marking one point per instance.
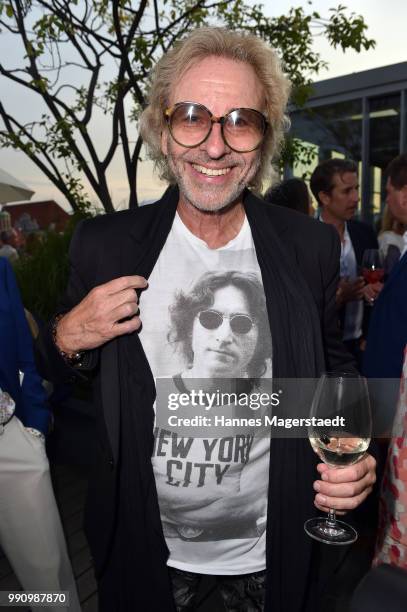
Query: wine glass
point(339, 433)
point(372, 266)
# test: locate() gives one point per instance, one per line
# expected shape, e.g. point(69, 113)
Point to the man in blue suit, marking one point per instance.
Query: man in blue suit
point(31, 534)
point(387, 335)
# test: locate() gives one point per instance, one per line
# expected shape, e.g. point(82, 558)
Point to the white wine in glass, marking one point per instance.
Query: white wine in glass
point(339, 451)
point(344, 398)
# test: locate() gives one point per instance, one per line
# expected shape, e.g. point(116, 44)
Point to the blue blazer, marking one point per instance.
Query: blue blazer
point(387, 335)
point(16, 354)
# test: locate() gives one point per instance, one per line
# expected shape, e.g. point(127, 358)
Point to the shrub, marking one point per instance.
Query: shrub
point(42, 273)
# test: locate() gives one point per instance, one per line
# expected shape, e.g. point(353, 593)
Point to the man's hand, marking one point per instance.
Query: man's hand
point(371, 291)
point(107, 311)
point(345, 488)
point(349, 290)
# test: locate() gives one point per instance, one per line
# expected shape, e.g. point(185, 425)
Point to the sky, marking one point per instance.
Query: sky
point(386, 21)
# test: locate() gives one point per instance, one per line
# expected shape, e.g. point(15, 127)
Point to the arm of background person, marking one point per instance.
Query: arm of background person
point(36, 413)
point(349, 290)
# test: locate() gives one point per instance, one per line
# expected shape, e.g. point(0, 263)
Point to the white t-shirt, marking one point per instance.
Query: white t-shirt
point(352, 327)
point(204, 316)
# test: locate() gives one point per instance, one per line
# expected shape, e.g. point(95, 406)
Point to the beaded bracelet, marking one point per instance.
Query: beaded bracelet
point(71, 359)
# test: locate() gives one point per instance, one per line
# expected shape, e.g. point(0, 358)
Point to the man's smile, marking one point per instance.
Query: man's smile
point(211, 171)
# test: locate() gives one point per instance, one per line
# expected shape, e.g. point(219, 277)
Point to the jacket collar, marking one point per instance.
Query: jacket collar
point(149, 231)
point(152, 215)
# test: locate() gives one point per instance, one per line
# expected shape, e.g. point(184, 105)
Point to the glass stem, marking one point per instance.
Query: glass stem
point(331, 520)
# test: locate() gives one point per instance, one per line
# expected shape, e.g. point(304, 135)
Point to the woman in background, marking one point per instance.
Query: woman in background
point(391, 239)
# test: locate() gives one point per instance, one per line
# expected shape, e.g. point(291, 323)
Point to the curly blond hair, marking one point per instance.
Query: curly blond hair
point(207, 42)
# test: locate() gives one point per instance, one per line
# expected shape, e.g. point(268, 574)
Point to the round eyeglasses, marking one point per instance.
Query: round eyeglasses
point(212, 319)
point(190, 124)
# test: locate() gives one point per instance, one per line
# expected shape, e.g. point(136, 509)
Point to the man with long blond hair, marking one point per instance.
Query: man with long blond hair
point(214, 121)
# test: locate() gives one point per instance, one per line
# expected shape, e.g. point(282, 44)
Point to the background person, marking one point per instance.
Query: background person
point(391, 232)
point(7, 248)
point(385, 586)
point(292, 193)
point(387, 335)
point(31, 533)
point(391, 544)
point(335, 186)
point(391, 240)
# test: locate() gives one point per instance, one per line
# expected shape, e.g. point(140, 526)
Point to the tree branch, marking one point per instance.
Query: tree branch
point(117, 113)
point(54, 176)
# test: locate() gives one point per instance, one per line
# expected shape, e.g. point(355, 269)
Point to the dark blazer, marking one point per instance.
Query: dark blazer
point(387, 335)
point(362, 237)
point(16, 354)
point(129, 242)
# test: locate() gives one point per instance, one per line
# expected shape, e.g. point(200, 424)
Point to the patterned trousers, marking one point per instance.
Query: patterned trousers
point(241, 593)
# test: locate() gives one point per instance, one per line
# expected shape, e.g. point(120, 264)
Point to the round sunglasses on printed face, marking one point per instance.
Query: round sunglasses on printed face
point(212, 319)
point(190, 124)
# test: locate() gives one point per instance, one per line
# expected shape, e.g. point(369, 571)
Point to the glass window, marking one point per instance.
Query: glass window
point(384, 136)
point(334, 130)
